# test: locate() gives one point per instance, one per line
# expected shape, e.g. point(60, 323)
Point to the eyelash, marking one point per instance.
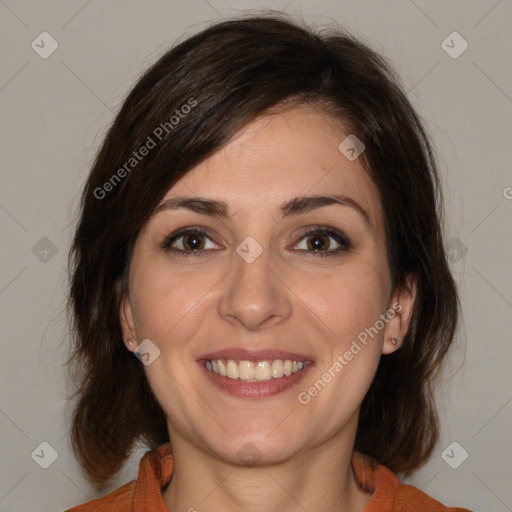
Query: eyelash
point(339, 237)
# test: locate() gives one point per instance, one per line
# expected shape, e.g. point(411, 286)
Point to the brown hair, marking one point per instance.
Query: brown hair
point(228, 74)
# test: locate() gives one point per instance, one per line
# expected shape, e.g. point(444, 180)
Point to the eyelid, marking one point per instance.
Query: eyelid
point(169, 239)
point(339, 236)
point(344, 242)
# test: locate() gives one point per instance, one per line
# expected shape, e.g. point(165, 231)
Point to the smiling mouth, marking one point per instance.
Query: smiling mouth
point(255, 371)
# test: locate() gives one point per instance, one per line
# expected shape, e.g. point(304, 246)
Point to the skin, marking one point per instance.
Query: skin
point(286, 299)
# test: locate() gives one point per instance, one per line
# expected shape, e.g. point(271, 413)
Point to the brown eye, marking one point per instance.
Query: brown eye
point(193, 241)
point(318, 241)
point(188, 242)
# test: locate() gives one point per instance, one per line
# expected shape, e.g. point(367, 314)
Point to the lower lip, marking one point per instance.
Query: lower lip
point(244, 389)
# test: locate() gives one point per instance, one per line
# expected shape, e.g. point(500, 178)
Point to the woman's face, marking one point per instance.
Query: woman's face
point(256, 288)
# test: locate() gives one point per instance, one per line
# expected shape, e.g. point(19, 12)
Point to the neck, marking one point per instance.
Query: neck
point(317, 479)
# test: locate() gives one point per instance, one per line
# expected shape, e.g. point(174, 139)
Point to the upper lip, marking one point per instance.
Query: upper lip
point(254, 355)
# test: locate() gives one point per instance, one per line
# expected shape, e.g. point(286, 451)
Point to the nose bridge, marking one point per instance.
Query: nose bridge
point(254, 294)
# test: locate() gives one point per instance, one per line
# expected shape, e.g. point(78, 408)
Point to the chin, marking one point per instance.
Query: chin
point(249, 453)
point(257, 448)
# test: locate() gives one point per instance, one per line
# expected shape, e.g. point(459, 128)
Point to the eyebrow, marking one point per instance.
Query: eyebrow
point(295, 206)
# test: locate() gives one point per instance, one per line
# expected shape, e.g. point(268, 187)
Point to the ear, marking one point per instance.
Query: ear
point(127, 323)
point(402, 303)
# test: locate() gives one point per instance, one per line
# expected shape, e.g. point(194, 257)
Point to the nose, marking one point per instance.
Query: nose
point(255, 294)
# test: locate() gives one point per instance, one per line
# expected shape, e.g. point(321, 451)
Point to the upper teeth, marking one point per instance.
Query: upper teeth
point(254, 371)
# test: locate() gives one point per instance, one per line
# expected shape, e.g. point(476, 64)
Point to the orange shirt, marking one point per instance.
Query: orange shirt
point(155, 470)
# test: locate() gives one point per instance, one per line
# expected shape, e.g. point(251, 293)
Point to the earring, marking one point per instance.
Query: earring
point(395, 342)
point(130, 342)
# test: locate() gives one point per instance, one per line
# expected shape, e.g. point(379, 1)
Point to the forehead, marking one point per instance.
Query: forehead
point(279, 156)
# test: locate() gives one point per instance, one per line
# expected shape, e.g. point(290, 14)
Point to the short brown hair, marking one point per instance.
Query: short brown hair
point(232, 72)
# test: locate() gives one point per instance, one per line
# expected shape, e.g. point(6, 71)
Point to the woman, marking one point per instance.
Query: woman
point(262, 230)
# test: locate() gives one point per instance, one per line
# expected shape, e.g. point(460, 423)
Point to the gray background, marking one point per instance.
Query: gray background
point(54, 113)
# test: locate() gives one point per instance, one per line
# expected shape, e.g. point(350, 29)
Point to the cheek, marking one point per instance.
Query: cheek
point(347, 300)
point(347, 306)
point(350, 306)
point(168, 306)
point(167, 310)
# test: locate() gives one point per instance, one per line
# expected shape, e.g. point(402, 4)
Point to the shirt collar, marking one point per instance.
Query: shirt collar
point(155, 471)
